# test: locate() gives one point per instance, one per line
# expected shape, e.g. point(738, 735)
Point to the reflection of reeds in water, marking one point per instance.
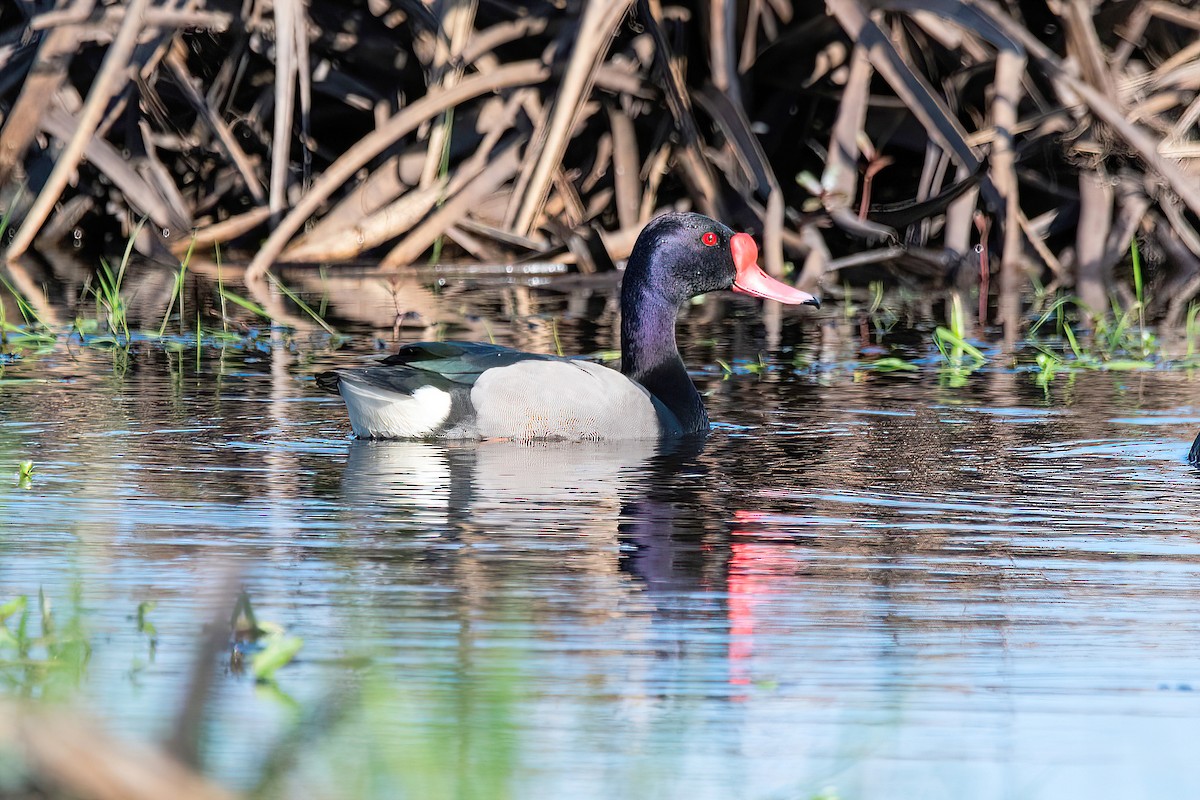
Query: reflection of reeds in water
point(848, 139)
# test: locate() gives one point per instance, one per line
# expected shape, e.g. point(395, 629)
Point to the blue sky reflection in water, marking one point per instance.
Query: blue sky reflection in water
point(880, 588)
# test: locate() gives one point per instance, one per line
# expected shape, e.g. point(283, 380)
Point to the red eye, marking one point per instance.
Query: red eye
point(709, 238)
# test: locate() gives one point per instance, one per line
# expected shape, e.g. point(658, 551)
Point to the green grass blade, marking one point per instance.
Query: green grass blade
point(893, 364)
point(177, 290)
point(303, 305)
point(238, 300)
point(27, 311)
point(1137, 270)
point(1053, 311)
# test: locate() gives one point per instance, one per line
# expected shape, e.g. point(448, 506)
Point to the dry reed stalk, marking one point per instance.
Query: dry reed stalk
point(383, 185)
point(596, 29)
point(401, 124)
point(816, 263)
point(45, 76)
point(1101, 106)
point(1084, 44)
point(772, 252)
point(499, 170)
point(108, 80)
point(457, 20)
point(722, 32)
point(625, 166)
point(694, 168)
point(1132, 205)
point(916, 93)
point(348, 242)
point(1039, 246)
point(652, 174)
point(1179, 223)
point(289, 25)
point(1010, 67)
point(178, 66)
point(933, 174)
point(1095, 220)
point(141, 195)
point(345, 235)
point(224, 231)
point(748, 154)
point(960, 214)
point(1185, 284)
point(840, 178)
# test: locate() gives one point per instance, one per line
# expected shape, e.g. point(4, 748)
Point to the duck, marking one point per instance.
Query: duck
point(480, 391)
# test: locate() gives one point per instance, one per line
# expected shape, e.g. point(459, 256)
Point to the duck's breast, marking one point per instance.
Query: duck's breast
point(564, 399)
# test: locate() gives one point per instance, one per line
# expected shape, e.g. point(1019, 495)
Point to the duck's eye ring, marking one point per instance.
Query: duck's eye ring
point(709, 238)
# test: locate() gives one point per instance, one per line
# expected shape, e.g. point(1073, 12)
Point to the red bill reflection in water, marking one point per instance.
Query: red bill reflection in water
point(752, 568)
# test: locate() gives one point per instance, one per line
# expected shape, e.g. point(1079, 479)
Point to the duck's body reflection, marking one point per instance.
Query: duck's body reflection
point(640, 521)
point(513, 486)
point(505, 494)
point(643, 499)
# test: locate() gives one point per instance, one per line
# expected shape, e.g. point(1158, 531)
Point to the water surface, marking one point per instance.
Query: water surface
point(863, 585)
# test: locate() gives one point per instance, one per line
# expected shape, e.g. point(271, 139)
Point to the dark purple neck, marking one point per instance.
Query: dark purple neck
point(650, 356)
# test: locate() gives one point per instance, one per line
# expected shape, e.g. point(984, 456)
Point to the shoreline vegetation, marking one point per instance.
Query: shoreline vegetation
point(995, 150)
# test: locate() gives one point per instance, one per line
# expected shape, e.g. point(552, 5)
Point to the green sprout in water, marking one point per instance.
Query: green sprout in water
point(177, 291)
point(893, 364)
point(303, 305)
point(1136, 257)
point(28, 313)
point(961, 357)
point(882, 318)
point(144, 625)
point(271, 647)
point(278, 650)
point(759, 367)
point(45, 664)
point(146, 628)
point(108, 292)
point(1121, 343)
point(24, 474)
point(1048, 365)
point(1192, 328)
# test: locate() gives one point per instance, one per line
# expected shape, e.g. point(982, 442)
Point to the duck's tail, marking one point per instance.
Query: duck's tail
point(391, 402)
point(1194, 455)
point(329, 381)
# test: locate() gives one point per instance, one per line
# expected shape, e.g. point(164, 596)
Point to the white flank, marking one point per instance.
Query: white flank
point(573, 400)
point(379, 414)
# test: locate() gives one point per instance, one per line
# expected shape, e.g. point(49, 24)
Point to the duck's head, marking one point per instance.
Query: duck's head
point(681, 255)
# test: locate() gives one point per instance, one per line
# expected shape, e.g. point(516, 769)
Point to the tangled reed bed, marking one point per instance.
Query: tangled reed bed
point(988, 145)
